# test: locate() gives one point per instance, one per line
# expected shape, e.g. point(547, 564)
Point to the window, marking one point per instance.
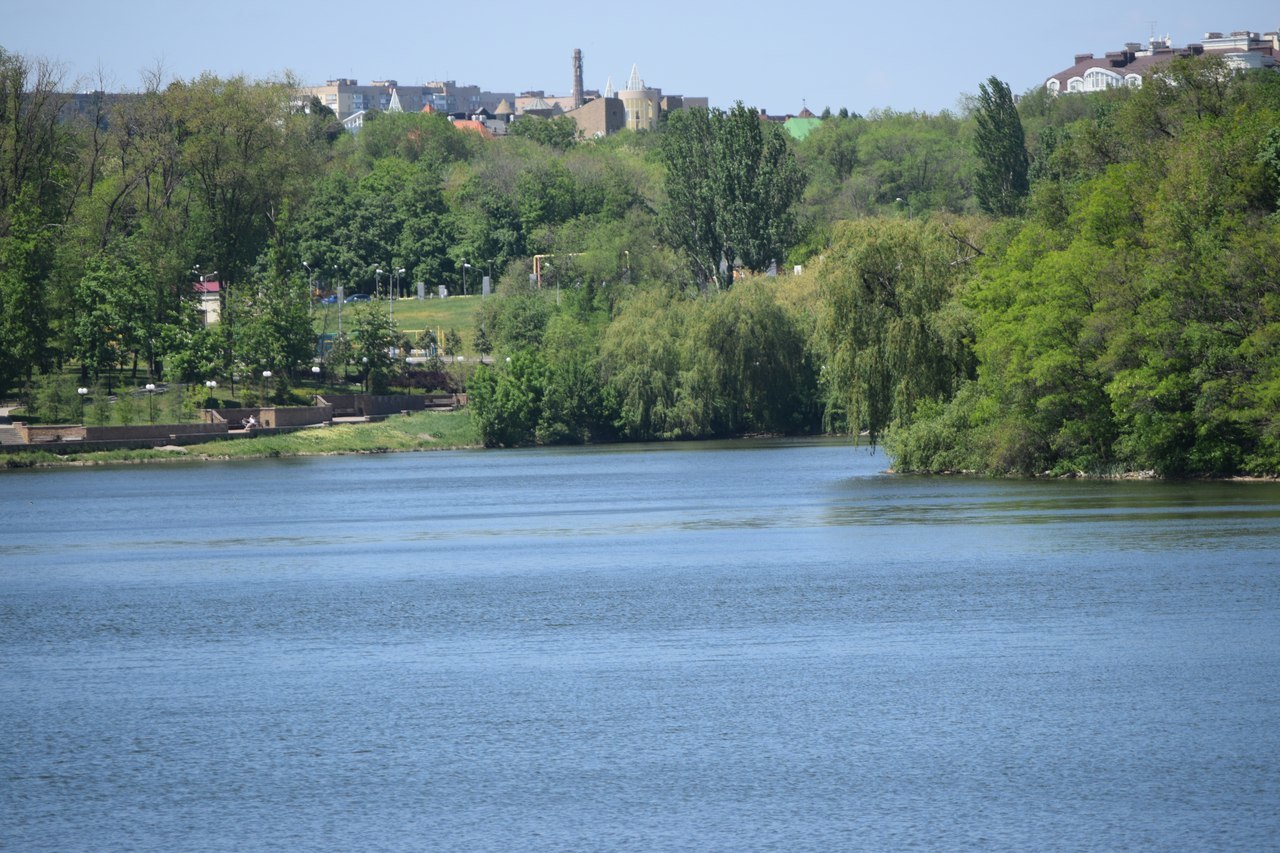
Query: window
point(1096, 80)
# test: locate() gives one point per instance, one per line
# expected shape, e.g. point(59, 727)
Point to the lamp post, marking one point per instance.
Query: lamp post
point(210, 385)
point(82, 391)
point(151, 401)
point(465, 266)
point(311, 288)
point(364, 361)
point(315, 373)
point(266, 384)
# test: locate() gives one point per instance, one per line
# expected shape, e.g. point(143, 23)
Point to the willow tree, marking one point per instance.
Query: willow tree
point(892, 334)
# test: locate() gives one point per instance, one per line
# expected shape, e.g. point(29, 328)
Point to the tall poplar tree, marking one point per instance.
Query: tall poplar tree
point(1002, 151)
point(732, 183)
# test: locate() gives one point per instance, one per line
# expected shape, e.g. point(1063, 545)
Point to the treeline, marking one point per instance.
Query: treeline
point(1083, 283)
point(1130, 319)
point(109, 213)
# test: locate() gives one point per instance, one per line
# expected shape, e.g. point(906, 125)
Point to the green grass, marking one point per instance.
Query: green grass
point(418, 431)
point(414, 315)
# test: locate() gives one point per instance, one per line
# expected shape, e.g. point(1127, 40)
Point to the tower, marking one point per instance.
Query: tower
point(577, 78)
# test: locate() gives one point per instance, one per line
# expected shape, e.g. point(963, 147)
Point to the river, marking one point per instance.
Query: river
point(757, 645)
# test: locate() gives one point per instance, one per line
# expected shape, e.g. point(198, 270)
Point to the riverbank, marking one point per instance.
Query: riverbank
point(417, 431)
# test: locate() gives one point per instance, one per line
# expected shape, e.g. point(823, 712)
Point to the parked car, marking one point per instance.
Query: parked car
point(357, 297)
point(330, 299)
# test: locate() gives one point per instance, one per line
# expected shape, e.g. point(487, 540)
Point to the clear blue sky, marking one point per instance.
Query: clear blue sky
point(777, 56)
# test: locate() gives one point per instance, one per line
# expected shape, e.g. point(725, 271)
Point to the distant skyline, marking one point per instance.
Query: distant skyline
point(779, 57)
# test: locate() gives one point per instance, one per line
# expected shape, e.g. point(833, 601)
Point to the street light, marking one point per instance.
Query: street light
point(82, 392)
point(266, 384)
point(465, 266)
point(210, 385)
point(151, 401)
point(311, 287)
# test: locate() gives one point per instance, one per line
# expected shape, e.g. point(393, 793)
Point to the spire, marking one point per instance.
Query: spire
point(634, 83)
point(608, 87)
point(394, 106)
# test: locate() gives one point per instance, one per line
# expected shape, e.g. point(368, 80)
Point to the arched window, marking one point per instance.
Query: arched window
point(1133, 81)
point(1053, 85)
point(1096, 79)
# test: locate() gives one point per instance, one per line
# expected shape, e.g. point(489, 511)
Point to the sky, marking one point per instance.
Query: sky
point(779, 57)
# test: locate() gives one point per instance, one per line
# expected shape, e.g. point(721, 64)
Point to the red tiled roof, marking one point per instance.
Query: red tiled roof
point(472, 125)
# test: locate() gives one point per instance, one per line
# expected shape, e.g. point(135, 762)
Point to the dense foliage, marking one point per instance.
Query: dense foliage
point(1061, 284)
point(1131, 320)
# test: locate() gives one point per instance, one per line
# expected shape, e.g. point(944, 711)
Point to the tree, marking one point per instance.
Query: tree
point(891, 336)
point(374, 336)
point(560, 132)
point(506, 403)
point(36, 161)
point(690, 216)
point(732, 182)
point(1001, 147)
point(757, 183)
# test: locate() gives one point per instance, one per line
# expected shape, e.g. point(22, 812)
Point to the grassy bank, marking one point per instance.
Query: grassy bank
point(419, 431)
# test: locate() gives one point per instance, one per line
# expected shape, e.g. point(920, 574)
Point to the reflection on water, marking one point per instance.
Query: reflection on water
point(719, 646)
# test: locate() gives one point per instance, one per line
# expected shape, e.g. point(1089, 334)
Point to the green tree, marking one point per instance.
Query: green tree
point(506, 402)
point(890, 331)
point(558, 132)
point(573, 407)
point(373, 338)
point(732, 182)
point(37, 189)
point(1000, 145)
point(640, 363)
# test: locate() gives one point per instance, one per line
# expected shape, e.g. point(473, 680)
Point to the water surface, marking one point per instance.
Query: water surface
point(722, 646)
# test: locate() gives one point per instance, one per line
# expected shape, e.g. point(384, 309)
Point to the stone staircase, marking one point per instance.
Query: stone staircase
point(8, 435)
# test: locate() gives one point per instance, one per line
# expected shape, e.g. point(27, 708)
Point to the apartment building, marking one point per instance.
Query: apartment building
point(346, 97)
point(636, 106)
point(1126, 67)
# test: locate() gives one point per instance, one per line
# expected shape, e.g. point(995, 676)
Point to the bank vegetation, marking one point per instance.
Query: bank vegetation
point(1087, 283)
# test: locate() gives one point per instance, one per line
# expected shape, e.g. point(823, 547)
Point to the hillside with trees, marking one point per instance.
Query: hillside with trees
point(1083, 283)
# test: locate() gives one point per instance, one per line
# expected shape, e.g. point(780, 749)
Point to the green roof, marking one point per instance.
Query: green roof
point(799, 128)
